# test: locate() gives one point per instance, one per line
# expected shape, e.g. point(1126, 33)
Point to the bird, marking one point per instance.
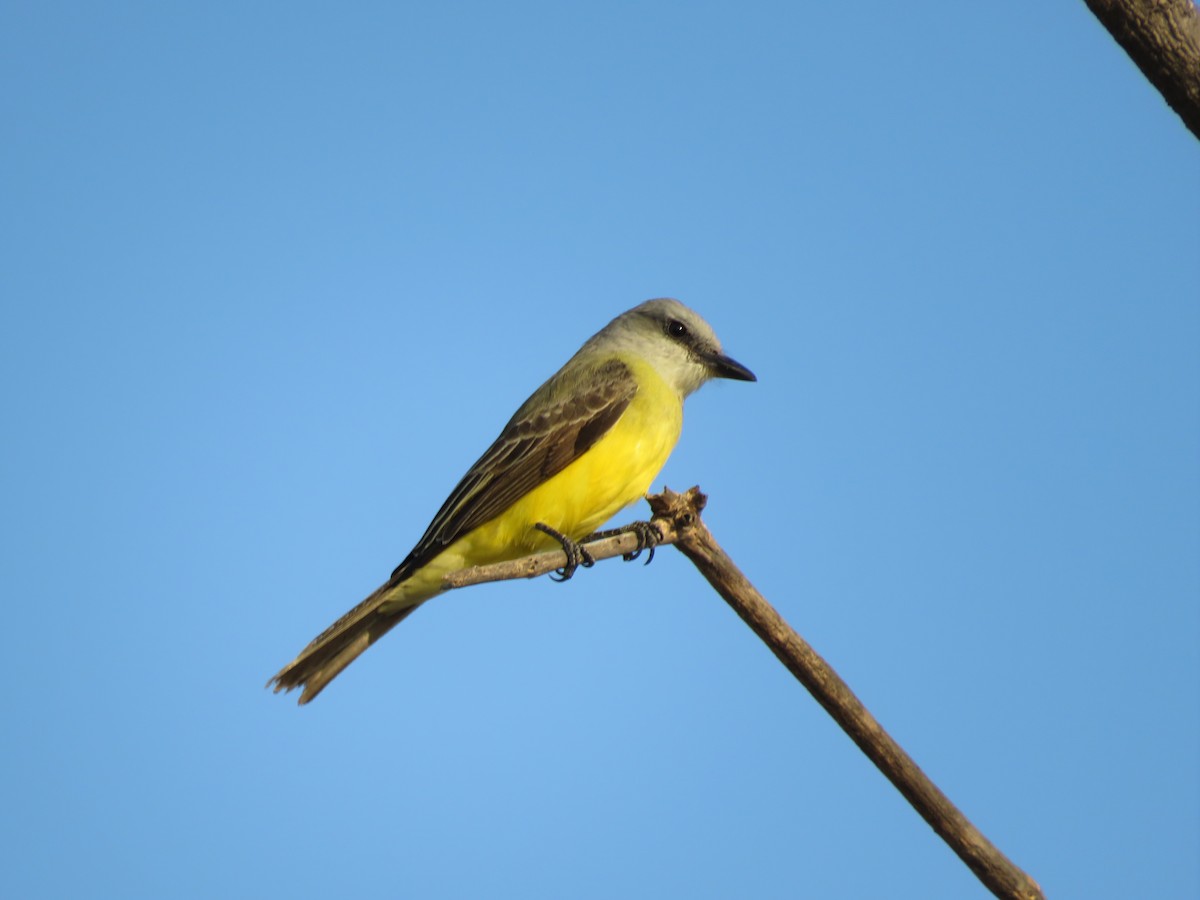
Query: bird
point(585, 445)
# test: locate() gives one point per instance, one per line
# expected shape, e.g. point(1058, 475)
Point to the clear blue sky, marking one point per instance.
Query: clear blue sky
point(273, 275)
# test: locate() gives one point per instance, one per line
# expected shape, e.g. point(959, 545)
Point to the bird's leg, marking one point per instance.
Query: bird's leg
point(576, 555)
point(647, 533)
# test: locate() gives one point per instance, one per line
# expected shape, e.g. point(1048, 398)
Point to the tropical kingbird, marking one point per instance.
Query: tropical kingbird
point(584, 446)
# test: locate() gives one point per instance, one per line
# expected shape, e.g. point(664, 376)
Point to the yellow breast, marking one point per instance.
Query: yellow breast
point(615, 472)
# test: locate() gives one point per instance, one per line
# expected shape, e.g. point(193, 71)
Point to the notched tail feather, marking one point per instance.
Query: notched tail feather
point(339, 645)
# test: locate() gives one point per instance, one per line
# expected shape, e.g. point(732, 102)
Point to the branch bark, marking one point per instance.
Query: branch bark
point(1163, 38)
point(696, 542)
point(678, 519)
point(545, 563)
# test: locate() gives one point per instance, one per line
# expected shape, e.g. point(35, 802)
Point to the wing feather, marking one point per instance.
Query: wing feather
point(548, 433)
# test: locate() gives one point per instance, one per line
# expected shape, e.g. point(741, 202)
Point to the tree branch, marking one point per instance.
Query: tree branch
point(678, 518)
point(545, 563)
point(695, 541)
point(1163, 38)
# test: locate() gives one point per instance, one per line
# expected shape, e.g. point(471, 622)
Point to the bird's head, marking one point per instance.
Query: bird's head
point(680, 345)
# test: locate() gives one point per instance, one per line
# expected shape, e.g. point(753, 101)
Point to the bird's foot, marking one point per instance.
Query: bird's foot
point(648, 536)
point(576, 555)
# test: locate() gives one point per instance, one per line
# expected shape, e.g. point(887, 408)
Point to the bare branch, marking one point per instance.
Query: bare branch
point(695, 541)
point(1163, 38)
point(678, 518)
point(544, 563)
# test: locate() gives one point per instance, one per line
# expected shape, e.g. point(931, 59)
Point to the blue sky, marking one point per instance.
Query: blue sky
point(274, 275)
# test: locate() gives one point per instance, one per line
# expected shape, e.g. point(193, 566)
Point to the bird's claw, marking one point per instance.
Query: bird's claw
point(576, 554)
point(648, 535)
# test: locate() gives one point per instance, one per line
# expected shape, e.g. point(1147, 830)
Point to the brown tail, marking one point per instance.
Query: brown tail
point(339, 645)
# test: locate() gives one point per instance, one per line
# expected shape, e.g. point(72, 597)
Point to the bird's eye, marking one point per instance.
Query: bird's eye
point(676, 329)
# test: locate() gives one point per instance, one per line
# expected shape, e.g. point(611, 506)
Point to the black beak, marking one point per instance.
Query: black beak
point(724, 367)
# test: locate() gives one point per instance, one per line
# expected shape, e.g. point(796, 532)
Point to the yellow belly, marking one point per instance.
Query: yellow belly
point(615, 472)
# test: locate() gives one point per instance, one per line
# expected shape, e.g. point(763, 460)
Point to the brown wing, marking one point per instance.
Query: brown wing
point(547, 433)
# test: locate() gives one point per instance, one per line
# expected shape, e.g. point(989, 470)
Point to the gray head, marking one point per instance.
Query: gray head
point(679, 344)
